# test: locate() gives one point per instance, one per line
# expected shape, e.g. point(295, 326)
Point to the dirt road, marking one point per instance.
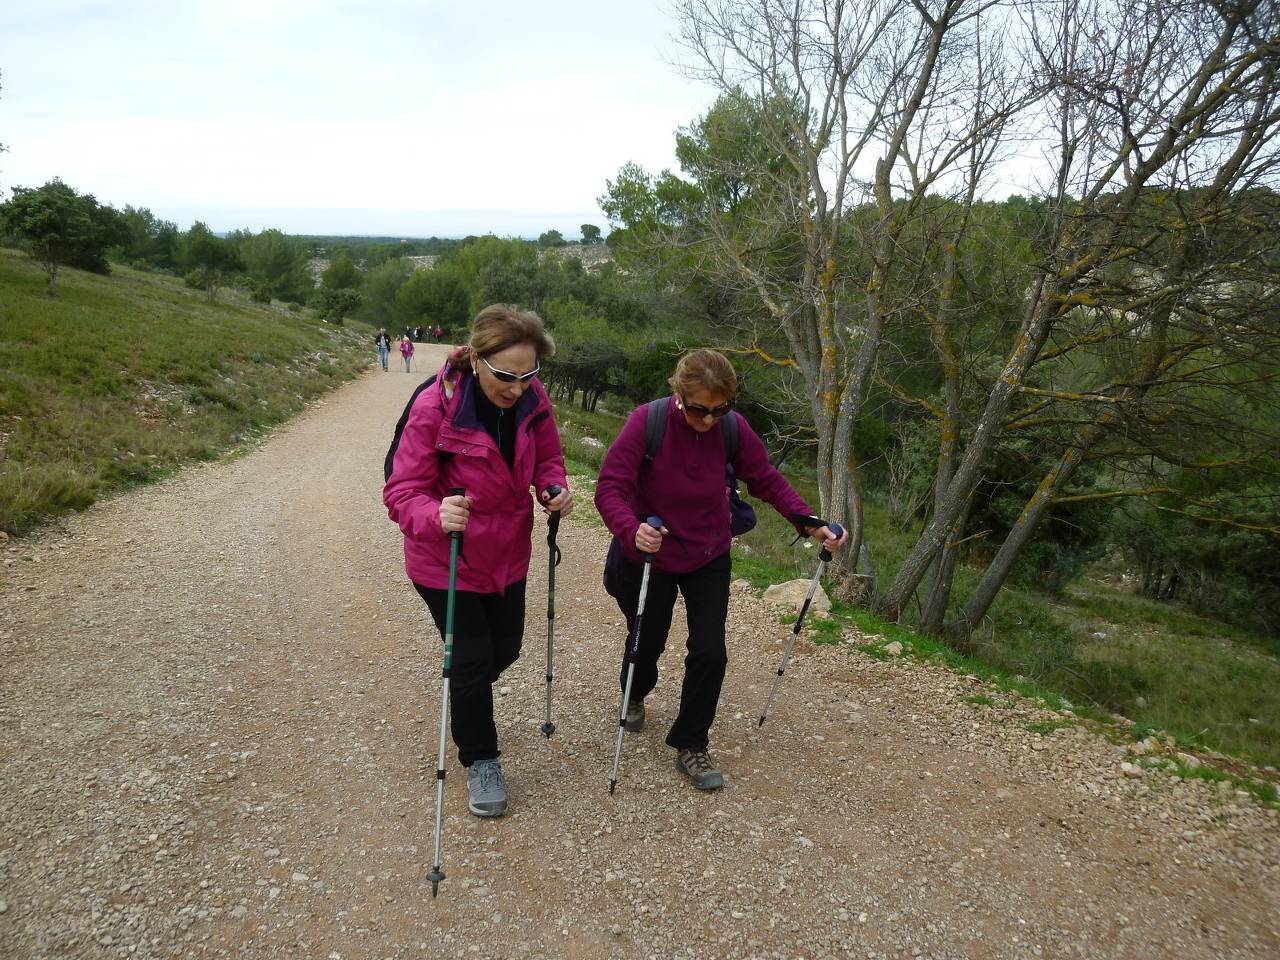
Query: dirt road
point(218, 703)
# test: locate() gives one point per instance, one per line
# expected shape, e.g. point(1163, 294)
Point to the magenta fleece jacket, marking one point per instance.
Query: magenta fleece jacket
point(685, 487)
point(497, 543)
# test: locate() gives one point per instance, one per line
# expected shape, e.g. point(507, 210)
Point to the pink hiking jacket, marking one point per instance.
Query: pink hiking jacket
point(497, 543)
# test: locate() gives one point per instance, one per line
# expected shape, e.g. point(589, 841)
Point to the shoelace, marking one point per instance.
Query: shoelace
point(491, 777)
point(699, 760)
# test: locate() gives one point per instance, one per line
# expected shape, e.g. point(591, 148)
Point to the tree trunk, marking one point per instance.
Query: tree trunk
point(1001, 564)
point(942, 570)
point(848, 561)
point(949, 503)
point(941, 576)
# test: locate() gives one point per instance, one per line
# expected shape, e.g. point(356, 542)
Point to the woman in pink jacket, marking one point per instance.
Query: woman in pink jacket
point(483, 424)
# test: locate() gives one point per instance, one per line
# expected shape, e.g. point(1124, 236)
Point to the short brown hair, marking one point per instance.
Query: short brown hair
point(707, 369)
point(499, 326)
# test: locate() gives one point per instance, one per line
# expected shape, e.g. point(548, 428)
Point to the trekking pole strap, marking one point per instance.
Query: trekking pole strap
point(553, 523)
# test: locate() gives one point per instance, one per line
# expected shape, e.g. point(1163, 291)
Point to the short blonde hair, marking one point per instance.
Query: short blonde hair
point(705, 369)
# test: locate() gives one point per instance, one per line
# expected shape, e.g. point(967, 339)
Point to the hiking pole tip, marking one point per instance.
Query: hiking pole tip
point(548, 729)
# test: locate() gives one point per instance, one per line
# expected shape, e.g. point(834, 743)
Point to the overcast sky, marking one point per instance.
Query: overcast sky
point(381, 117)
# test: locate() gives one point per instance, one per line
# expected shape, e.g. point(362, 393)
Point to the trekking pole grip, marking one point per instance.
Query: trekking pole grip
point(654, 521)
point(553, 521)
point(824, 554)
point(456, 492)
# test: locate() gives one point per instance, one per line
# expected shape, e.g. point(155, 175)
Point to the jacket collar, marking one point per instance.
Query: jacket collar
point(464, 382)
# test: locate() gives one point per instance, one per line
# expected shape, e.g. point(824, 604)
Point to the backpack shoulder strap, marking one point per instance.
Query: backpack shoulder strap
point(404, 418)
point(655, 427)
point(729, 430)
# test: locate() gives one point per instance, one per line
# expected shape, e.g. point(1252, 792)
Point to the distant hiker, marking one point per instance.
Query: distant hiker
point(406, 351)
point(482, 424)
point(384, 345)
point(417, 334)
point(682, 478)
point(438, 333)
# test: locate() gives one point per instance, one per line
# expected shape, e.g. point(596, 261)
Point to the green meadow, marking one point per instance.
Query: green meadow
point(121, 379)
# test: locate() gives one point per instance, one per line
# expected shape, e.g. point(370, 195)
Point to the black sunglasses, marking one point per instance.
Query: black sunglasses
point(506, 377)
point(698, 410)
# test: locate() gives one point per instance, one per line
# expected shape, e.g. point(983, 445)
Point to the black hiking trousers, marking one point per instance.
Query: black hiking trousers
point(488, 629)
point(706, 600)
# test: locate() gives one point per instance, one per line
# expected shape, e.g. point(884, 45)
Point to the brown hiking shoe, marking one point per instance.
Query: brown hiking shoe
point(635, 716)
point(699, 767)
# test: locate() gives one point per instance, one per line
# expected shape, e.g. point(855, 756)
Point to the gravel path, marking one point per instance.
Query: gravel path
point(218, 708)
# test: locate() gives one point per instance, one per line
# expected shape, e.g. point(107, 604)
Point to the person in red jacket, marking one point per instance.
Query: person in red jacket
point(685, 486)
point(483, 424)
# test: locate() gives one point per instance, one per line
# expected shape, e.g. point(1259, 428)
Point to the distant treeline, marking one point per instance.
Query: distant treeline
point(1179, 481)
point(61, 227)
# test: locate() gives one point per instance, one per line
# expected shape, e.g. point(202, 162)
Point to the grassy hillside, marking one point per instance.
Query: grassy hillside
point(123, 378)
point(1096, 649)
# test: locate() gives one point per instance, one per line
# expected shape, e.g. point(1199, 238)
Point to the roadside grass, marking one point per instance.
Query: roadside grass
point(1046, 727)
point(1097, 651)
point(585, 436)
point(122, 379)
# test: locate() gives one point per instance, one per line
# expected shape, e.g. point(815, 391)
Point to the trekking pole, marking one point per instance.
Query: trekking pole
point(632, 647)
point(455, 546)
point(824, 556)
point(553, 561)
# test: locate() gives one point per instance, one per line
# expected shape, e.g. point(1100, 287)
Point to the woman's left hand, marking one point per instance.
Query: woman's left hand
point(828, 540)
point(561, 503)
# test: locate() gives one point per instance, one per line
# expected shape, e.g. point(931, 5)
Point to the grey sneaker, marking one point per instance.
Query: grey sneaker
point(488, 789)
point(699, 767)
point(635, 716)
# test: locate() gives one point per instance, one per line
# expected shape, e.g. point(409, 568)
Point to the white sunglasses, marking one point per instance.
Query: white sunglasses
point(507, 377)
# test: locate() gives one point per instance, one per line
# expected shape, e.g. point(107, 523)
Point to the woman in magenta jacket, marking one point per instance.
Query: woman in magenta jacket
point(685, 486)
point(483, 424)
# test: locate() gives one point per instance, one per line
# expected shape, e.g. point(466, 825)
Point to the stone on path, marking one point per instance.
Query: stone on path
point(792, 593)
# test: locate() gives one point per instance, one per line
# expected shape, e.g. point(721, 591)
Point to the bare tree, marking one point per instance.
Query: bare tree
point(853, 220)
point(880, 107)
point(1181, 103)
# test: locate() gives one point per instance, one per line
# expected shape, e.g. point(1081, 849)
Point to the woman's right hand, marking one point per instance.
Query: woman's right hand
point(454, 512)
point(649, 540)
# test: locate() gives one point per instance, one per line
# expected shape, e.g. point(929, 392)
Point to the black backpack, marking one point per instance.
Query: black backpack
point(395, 439)
point(741, 516)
